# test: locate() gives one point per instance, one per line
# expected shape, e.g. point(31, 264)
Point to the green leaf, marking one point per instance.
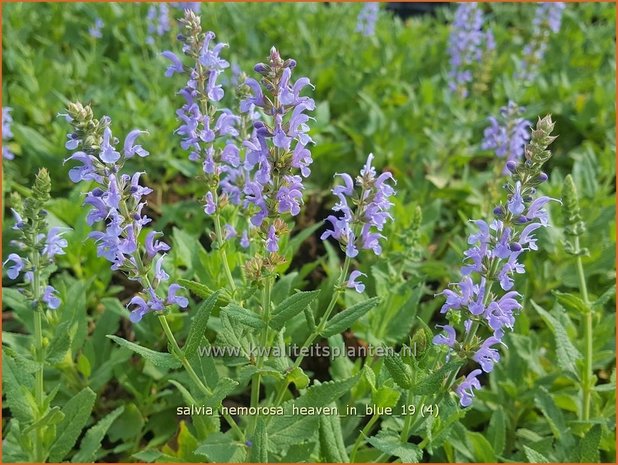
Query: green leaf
point(481, 449)
point(52, 417)
point(390, 444)
point(292, 429)
point(242, 316)
point(399, 370)
point(589, 446)
point(160, 359)
point(571, 302)
point(432, 383)
point(91, 443)
point(345, 319)
point(295, 243)
point(605, 297)
point(566, 352)
point(60, 344)
point(552, 413)
point(332, 445)
point(496, 432)
point(76, 414)
point(221, 448)
point(200, 290)
point(385, 396)
point(259, 448)
point(291, 307)
point(198, 325)
point(534, 456)
point(17, 384)
point(148, 455)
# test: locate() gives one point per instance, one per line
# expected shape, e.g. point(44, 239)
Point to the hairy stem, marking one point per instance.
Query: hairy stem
point(257, 378)
point(361, 437)
point(587, 375)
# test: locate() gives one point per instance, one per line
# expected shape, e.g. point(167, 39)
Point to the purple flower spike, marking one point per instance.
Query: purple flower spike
point(357, 227)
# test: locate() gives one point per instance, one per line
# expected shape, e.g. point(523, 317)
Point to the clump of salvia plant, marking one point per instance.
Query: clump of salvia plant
point(483, 305)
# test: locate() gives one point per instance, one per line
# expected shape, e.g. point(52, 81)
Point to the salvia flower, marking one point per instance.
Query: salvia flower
point(367, 18)
point(547, 21)
point(467, 45)
point(484, 299)
point(363, 210)
point(7, 133)
point(508, 134)
point(96, 29)
point(118, 202)
point(37, 244)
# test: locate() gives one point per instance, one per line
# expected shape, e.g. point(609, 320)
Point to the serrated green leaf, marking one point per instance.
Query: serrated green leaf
point(201, 290)
point(198, 325)
point(16, 384)
point(91, 443)
point(259, 447)
point(401, 373)
point(60, 344)
point(589, 446)
point(332, 445)
point(291, 307)
point(432, 383)
point(242, 316)
point(391, 445)
point(385, 396)
point(534, 456)
point(291, 429)
point(346, 318)
point(160, 359)
point(76, 414)
point(222, 448)
point(566, 352)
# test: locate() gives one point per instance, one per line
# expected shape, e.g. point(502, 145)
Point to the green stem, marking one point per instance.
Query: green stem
point(319, 328)
point(361, 437)
point(220, 243)
point(257, 378)
point(192, 374)
point(39, 391)
point(587, 375)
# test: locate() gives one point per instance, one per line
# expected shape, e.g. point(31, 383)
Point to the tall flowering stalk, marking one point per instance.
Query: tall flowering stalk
point(7, 133)
point(467, 46)
point(38, 247)
point(118, 203)
point(277, 155)
point(484, 299)
point(367, 18)
point(207, 132)
point(547, 21)
point(508, 134)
